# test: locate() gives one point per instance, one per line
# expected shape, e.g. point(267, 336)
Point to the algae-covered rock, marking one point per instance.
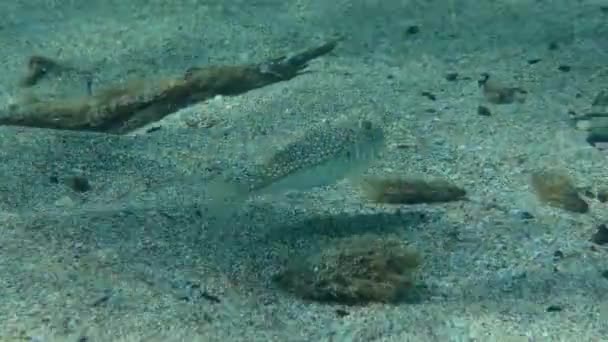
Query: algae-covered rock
point(354, 270)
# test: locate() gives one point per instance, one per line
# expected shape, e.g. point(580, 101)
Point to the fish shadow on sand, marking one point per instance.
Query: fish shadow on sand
point(348, 224)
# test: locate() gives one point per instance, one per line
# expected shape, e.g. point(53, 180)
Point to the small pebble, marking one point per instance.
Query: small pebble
point(78, 183)
point(429, 95)
point(452, 76)
point(601, 236)
point(484, 111)
point(525, 215)
point(557, 255)
point(412, 29)
point(554, 308)
point(342, 313)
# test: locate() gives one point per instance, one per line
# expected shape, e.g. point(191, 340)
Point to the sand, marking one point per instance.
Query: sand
point(142, 256)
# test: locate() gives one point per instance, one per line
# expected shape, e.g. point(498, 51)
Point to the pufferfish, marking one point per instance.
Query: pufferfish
point(321, 156)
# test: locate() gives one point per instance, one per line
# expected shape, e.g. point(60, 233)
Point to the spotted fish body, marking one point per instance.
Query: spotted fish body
point(320, 157)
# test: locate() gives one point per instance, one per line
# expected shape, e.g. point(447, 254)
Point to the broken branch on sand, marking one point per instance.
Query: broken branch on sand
point(120, 110)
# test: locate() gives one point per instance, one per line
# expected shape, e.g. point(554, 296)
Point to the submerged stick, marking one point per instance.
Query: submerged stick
point(123, 109)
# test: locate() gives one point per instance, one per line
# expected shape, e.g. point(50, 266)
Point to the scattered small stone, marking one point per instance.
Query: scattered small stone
point(342, 313)
point(534, 61)
point(78, 183)
point(429, 95)
point(554, 308)
point(451, 76)
point(553, 46)
point(601, 235)
point(413, 29)
point(483, 111)
point(558, 255)
point(605, 274)
point(564, 68)
point(525, 215)
point(212, 298)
